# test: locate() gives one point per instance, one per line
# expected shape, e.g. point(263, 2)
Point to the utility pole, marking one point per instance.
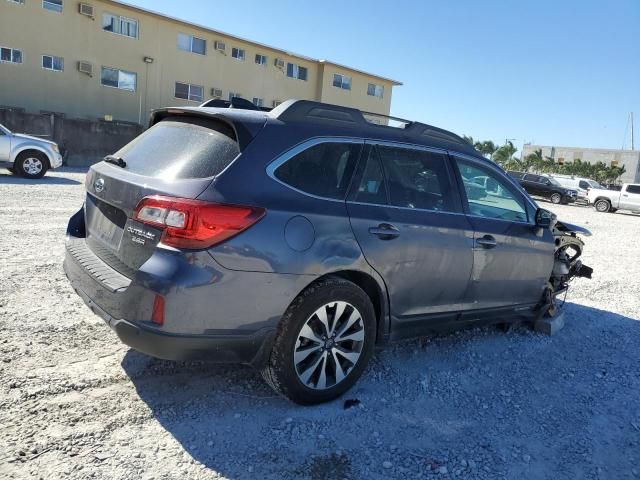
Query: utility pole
point(632, 144)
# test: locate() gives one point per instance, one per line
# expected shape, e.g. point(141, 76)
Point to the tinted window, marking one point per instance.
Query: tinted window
point(633, 188)
point(324, 170)
point(372, 188)
point(416, 178)
point(175, 149)
point(532, 178)
point(584, 185)
point(497, 198)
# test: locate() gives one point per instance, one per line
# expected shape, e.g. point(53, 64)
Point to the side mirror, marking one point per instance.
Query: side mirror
point(544, 218)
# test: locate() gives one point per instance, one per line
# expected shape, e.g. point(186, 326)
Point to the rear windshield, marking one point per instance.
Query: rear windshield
point(178, 148)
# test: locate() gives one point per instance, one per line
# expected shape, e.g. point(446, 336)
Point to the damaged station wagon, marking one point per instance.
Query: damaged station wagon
point(298, 240)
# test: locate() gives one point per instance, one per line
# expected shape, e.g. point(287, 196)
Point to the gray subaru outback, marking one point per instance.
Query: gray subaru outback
point(297, 240)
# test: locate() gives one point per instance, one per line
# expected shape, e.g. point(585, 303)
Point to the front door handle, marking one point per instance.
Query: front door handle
point(486, 242)
point(385, 231)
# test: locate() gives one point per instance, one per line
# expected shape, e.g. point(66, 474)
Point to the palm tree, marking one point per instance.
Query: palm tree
point(486, 148)
point(504, 156)
point(468, 139)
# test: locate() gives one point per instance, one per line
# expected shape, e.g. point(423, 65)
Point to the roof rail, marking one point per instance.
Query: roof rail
point(310, 111)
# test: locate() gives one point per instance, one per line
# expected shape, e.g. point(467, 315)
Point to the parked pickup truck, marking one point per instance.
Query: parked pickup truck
point(27, 156)
point(628, 198)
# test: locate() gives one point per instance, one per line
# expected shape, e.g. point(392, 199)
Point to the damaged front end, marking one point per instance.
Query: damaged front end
point(567, 264)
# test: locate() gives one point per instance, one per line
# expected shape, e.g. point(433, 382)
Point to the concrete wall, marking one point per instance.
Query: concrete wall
point(87, 141)
point(629, 158)
point(37, 31)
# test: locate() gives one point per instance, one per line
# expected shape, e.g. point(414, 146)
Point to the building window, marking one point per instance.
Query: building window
point(237, 53)
point(50, 62)
point(19, 2)
point(296, 71)
point(261, 59)
point(234, 95)
point(341, 81)
point(375, 90)
point(10, 55)
point(187, 91)
point(53, 5)
point(275, 103)
point(258, 102)
point(120, 25)
point(189, 43)
point(112, 77)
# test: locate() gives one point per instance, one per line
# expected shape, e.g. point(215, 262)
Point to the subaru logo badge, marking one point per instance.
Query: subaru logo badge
point(98, 185)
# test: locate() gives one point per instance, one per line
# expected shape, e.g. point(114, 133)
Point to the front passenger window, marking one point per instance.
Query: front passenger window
point(495, 198)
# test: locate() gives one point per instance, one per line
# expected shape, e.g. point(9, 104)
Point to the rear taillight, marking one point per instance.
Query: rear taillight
point(195, 224)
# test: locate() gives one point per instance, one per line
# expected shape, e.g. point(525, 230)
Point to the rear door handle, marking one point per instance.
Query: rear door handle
point(486, 242)
point(385, 231)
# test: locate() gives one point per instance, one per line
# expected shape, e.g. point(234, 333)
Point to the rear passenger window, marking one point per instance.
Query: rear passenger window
point(633, 188)
point(324, 170)
point(416, 178)
point(532, 178)
point(372, 187)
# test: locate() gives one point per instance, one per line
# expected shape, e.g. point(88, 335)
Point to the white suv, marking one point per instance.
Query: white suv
point(27, 156)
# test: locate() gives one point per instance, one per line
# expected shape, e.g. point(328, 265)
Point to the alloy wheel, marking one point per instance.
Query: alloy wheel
point(32, 165)
point(329, 345)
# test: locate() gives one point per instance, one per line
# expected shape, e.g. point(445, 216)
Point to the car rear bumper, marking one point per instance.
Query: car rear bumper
point(251, 348)
point(209, 315)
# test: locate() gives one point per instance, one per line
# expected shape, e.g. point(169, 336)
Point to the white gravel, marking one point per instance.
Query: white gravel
point(76, 403)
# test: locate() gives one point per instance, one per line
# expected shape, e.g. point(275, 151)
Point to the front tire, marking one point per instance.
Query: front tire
point(602, 205)
point(31, 164)
point(556, 198)
point(324, 342)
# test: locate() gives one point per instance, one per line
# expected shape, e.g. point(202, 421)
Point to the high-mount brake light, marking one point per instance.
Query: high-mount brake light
point(194, 224)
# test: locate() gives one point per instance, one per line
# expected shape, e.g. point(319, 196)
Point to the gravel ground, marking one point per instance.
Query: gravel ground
point(75, 403)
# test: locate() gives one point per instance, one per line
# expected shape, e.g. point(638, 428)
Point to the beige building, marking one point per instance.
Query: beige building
point(109, 60)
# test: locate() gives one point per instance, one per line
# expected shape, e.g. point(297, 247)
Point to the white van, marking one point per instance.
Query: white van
point(580, 184)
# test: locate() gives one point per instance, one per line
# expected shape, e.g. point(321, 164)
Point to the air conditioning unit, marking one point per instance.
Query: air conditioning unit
point(216, 92)
point(278, 62)
point(86, 68)
point(86, 10)
point(220, 46)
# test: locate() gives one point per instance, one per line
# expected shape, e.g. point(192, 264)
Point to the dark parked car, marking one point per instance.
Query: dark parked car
point(545, 187)
point(298, 239)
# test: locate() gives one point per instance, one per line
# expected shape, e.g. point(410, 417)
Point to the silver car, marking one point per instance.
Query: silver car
point(27, 156)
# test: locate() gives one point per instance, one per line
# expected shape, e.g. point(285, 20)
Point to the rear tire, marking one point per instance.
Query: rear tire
point(556, 198)
point(31, 164)
point(602, 205)
point(314, 361)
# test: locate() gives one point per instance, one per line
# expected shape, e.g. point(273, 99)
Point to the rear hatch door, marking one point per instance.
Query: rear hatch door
point(178, 157)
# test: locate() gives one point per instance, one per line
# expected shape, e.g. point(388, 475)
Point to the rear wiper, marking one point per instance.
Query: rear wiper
point(115, 160)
